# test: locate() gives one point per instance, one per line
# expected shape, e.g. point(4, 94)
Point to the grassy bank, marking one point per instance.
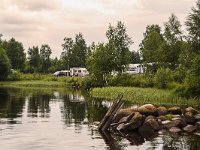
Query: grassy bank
point(143, 95)
point(40, 80)
point(33, 83)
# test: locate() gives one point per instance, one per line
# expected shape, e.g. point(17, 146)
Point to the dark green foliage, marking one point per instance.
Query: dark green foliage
point(15, 53)
point(4, 64)
point(33, 59)
point(150, 44)
point(91, 82)
point(45, 53)
point(121, 41)
point(135, 57)
point(193, 26)
point(74, 52)
point(102, 61)
point(162, 78)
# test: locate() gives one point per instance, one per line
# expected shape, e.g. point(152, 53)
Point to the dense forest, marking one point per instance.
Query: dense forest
point(174, 55)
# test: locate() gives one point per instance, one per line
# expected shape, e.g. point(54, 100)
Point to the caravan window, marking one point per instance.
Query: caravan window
point(132, 69)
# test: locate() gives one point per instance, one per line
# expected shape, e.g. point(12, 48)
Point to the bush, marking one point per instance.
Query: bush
point(162, 78)
point(4, 64)
point(91, 82)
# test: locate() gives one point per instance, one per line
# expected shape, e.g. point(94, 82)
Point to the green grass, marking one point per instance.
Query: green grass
point(143, 96)
point(41, 80)
point(33, 83)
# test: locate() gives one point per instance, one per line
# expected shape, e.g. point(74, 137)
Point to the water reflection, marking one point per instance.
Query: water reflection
point(58, 114)
point(10, 108)
point(38, 105)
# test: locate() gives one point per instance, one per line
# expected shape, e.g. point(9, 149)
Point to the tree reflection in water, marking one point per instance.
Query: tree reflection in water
point(76, 109)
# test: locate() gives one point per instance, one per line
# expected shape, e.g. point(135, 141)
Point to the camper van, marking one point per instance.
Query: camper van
point(80, 72)
point(62, 73)
point(135, 69)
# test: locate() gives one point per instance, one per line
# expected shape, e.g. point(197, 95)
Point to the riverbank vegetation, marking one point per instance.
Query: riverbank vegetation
point(41, 80)
point(170, 57)
point(144, 95)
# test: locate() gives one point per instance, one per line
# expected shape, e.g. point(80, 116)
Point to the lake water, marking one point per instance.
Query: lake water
point(58, 119)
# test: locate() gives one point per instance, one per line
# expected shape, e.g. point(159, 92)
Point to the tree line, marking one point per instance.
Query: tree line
point(166, 52)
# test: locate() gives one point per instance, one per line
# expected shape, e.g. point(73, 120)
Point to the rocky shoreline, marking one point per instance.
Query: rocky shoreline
point(148, 119)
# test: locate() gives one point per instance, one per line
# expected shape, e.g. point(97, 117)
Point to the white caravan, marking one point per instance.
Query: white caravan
point(80, 72)
point(135, 69)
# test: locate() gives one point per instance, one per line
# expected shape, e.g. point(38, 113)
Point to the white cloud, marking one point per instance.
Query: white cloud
point(48, 21)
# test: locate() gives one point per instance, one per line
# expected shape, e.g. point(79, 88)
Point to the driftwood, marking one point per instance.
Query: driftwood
point(107, 120)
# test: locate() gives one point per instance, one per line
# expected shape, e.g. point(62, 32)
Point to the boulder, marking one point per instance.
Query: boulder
point(127, 118)
point(189, 128)
point(189, 117)
point(197, 117)
point(192, 110)
point(176, 117)
point(123, 113)
point(197, 124)
point(175, 123)
point(135, 122)
point(135, 138)
point(149, 125)
point(148, 110)
point(161, 111)
point(175, 130)
point(175, 111)
point(197, 133)
point(162, 118)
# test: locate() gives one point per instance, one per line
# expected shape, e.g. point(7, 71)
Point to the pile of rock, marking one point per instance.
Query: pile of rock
point(149, 119)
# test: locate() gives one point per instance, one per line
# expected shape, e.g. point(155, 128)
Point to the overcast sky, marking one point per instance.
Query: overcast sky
point(36, 22)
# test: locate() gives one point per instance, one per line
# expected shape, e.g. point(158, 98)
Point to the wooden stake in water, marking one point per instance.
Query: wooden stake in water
point(107, 120)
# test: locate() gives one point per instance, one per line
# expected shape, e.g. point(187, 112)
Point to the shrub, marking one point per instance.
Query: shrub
point(162, 78)
point(91, 82)
point(4, 64)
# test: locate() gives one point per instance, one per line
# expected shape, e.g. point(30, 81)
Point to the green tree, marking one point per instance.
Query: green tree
point(56, 64)
point(66, 55)
point(135, 57)
point(15, 53)
point(79, 51)
point(150, 48)
point(45, 53)
point(74, 52)
point(4, 64)
point(170, 49)
point(34, 58)
point(193, 27)
point(102, 61)
point(121, 41)
point(151, 43)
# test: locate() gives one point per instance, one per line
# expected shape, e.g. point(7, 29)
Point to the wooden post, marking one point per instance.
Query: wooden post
point(107, 120)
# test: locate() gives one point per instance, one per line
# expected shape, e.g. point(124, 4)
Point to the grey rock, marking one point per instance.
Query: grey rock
point(150, 125)
point(197, 124)
point(175, 111)
point(162, 111)
point(135, 122)
point(169, 124)
point(123, 113)
point(189, 117)
point(162, 118)
point(192, 110)
point(189, 128)
point(175, 130)
point(197, 117)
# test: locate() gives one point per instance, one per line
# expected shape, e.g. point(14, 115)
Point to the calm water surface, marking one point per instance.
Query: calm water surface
point(51, 119)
